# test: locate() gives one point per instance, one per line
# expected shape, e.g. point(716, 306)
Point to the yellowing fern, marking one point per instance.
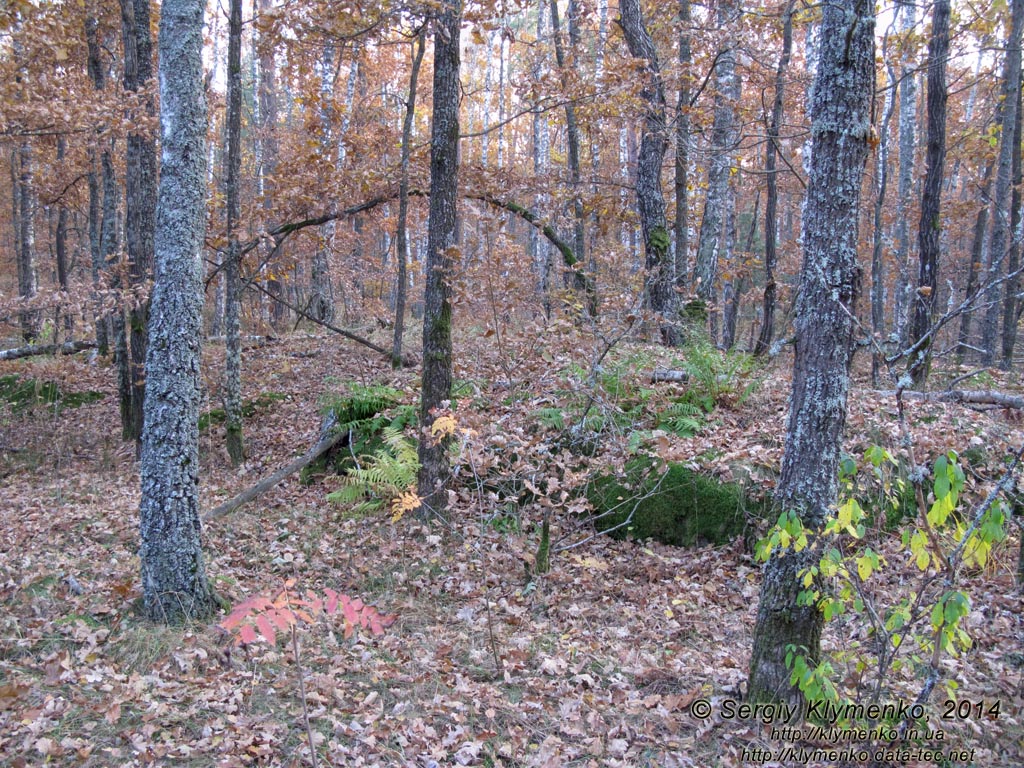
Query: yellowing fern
point(385, 476)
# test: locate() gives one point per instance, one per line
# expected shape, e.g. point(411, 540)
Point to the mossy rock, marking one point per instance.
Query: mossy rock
point(676, 506)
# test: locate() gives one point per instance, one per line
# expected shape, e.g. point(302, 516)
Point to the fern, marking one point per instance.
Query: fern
point(683, 419)
point(387, 474)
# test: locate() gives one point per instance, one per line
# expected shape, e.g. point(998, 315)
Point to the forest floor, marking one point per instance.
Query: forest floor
point(595, 663)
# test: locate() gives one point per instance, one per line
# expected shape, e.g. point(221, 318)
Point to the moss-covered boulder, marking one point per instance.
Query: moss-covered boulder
point(673, 505)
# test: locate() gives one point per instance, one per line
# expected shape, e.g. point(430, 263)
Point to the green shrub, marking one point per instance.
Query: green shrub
point(674, 505)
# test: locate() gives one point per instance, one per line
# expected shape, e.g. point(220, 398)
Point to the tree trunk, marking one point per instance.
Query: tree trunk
point(877, 260)
point(650, 202)
point(140, 199)
point(441, 241)
point(977, 262)
point(905, 181)
point(771, 222)
point(267, 146)
point(1001, 234)
point(233, 283)
point(840, 126)
point(1010, 298)
point(930, 226)
point(572, 139)
point(26, 262)
point(174, 582)
point(720, 165)
point(402, 235)
point(61, 249)
point(540, 250)
point(682, 148)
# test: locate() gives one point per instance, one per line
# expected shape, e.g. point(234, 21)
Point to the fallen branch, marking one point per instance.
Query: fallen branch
point(265, 485)
point(964, 397)
point(667, 374)
point(408, 360)
point(67, 348)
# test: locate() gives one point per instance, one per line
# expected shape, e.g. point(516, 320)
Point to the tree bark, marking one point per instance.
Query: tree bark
point(977, 262)
point(682, 149)
point(840, 127)
point(930, 226)
point(1001, 234)
point(140, 197)
point(771, 221)
point(722, 144)
point(67, 348)
point(61, 246)
point(659, 283)
point(233, 287)
point(907, 12)
point(1010, 297)
point(877, 260)
point(174, 580)
point(436, 389)
point(96, 240)
point(572, 135)
point(402, 235)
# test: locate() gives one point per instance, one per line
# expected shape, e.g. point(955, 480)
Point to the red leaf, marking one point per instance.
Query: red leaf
point(266, 628)
point(247, 634)
point(332, 601)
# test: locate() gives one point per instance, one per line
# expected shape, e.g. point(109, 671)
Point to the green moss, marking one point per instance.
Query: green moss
point(250, 408)
point(22, 394)
point(678, 506)
point(659, 239)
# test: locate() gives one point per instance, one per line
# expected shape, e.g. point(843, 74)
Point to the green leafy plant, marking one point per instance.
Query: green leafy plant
point(262, 616)
point(919, 624)
point(386, 475)
point(715, 377)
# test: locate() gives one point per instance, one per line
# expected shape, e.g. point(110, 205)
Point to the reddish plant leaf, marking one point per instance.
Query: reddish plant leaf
point(266, 628)
point(247, 634)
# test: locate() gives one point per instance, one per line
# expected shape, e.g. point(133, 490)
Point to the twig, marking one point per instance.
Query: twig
point(302, 692)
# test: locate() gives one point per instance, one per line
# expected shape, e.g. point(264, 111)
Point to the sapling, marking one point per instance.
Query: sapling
point(261, 617)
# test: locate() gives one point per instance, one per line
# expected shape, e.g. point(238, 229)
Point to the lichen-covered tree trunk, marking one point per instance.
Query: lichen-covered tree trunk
point(723, 141)
point(930, 227)
point(540, 251)
point(682, 149)
point(974, 266)
point(1011, 302)
point(402, 235)
point(26, 261)
point(140, 199)
point(824, 324)
point(659, 285)
point(232, 278)
point(266, 144)
point(174, 584)
point(771, 215)
point(441, 240)
point(1001, 234)
point(878, 234)
point(907, 12)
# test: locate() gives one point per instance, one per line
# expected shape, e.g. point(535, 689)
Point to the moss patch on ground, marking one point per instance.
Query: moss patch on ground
point(22, 394)
point(675, 505)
